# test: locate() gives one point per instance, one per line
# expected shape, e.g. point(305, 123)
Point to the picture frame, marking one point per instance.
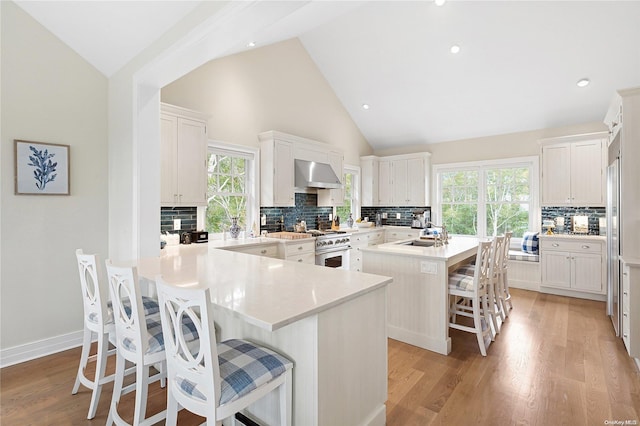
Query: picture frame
point(41, 168)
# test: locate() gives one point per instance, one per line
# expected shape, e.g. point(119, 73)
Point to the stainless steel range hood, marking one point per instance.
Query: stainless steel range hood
point(311, 174)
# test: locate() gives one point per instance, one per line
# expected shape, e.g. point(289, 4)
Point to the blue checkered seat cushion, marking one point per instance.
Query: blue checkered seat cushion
point(460, 282)
point(155, 337)
point(522, 256)
point(149, 304)
point(468, 269)
point(243, 368)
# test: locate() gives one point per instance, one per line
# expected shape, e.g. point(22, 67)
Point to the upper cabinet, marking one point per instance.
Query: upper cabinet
point(183, 157)
point(398, 180)
point(574, 170)
point(278, 152)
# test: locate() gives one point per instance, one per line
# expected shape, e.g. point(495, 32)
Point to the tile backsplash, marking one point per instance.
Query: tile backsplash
point(187, 215)
point(406, 214)
point(306, 209)
point(594, 214)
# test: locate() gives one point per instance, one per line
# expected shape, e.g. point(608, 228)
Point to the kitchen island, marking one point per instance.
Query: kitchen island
point(331, 323)
point(417, 300)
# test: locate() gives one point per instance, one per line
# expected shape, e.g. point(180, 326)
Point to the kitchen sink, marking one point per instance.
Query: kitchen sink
point(420, 243)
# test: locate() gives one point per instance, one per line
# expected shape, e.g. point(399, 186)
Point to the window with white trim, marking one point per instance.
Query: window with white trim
point(488, 198)
point(231, 187)
point(351, 181)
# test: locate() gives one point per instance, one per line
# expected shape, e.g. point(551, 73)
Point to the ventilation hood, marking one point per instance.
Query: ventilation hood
point(311, 174)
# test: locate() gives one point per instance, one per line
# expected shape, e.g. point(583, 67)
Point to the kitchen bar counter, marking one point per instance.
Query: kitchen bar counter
point(417, 299)
point(331, 323)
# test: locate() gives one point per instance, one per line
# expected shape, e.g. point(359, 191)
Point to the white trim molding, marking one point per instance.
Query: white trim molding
point(40, 348)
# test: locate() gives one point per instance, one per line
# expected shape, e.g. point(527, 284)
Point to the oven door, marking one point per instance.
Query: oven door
point(335, 259)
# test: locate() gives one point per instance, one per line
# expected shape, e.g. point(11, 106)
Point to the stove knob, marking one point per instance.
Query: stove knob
point(330, 242)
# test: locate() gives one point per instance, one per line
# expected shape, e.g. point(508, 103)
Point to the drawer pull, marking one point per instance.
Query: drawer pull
point(299, 260)
point(625, 293)
point(624, 315)
point(555, 245)
point(300, 248)
point(585, 247)
point(625, 335)
point(263, 251)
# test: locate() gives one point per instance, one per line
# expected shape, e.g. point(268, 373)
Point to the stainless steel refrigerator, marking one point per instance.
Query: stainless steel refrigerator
point(614, 235)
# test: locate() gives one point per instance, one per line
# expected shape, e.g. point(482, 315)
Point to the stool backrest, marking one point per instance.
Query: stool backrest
point(507, 242)
point(482, 271)
point(131, 327)
point(197, 362)
point(497, 254)
point(94, 296)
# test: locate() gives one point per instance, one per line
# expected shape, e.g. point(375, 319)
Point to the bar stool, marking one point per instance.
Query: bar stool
point(98, 320)
point(215, 380)
point(468, 296)
point(505, 295)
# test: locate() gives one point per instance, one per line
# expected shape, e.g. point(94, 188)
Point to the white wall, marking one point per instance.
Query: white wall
point(49, 94)
point(494, 147)
point(276, 87)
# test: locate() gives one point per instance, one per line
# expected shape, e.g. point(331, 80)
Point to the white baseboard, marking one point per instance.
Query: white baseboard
point(40, 348)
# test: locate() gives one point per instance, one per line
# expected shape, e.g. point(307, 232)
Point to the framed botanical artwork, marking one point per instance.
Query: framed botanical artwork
point(41, 168)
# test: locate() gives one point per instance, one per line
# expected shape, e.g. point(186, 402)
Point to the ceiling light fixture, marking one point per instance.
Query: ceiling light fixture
point(455, 49)
point(583, 82)
point(365, 106)
point(439, 2)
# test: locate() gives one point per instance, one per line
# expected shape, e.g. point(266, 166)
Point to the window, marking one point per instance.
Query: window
point(488, 198)
point(351, 181)
point(231, 189)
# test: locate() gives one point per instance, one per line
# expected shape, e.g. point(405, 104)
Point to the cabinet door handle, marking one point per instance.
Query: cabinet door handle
point(555, 245)
point(568, 257)
point(624, 315)
point(299, 260)
point(625, 293)
point(585, 246)
point(263, 251)
point(299, 247)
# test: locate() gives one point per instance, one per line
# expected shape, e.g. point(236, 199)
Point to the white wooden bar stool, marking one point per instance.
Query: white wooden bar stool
point(139, 340)
point(493, 292)
point(469, 298)
point(98, 320)
point(215, 380)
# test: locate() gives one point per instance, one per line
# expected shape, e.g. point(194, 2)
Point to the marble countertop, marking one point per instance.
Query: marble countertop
point(457, 246)
point(269, 293)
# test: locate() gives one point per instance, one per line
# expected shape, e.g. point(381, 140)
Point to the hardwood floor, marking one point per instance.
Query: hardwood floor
point(556, 361)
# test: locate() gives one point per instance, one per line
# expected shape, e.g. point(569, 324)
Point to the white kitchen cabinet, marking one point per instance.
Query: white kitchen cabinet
point(183, 157)
point(398, 180)
point(360, 240)
point(277, 173)
point(397, 233)
point(266, 250)
point(573, 263)
point(573, 170)
point(300, 251)
point(630, 301)
point(333, 197)
point(369, 180)
point(385, 183)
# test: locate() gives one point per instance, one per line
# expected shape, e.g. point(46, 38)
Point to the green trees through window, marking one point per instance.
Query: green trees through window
point(496, 197)
point(226, 191)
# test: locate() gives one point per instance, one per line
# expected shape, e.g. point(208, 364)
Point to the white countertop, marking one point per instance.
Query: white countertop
point(574, 236)
point(240, 242)
point(266, 292)
point(457, 245)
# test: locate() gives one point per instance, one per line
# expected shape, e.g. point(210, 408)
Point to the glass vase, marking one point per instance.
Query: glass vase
point(234, 229)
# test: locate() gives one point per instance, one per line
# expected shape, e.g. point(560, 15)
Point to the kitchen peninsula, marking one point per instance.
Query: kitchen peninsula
point(417, 299)
point(331, 323)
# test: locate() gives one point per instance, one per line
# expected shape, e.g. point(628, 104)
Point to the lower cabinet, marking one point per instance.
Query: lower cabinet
point(573, 263)
point(400, 233)
point(362, 239)
point(631, 307)
point(259, 250)
point(299, 251)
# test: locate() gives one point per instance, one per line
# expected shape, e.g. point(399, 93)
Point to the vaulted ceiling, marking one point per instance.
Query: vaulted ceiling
point(516, 69)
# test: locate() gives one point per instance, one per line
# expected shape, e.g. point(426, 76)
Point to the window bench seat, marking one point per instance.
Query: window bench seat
point(524, 270)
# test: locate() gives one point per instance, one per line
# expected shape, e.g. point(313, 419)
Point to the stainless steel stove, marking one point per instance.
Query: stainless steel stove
point(332, 248)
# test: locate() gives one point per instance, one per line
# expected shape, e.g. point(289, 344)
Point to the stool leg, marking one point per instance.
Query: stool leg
point(142, 386)
point(101, 365)
point(117, 388)
point(84, 358)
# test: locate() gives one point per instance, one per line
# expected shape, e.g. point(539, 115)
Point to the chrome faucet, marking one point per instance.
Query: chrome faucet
point(442, 237)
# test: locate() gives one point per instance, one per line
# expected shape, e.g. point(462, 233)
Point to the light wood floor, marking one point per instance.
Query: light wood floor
point(555, 362)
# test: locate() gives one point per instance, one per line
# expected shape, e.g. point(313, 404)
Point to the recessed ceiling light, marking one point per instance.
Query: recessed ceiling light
point(583, 82)
point(251, 44)
point(439, 2)
point(365, 106)
point(455, 49)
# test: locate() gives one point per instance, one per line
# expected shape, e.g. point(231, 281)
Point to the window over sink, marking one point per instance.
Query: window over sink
point(231, 187)
point(488, 198)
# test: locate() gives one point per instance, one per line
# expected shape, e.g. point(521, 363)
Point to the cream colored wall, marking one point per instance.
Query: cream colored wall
point(49, 94)
point(276, 87)
point(493, 147)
